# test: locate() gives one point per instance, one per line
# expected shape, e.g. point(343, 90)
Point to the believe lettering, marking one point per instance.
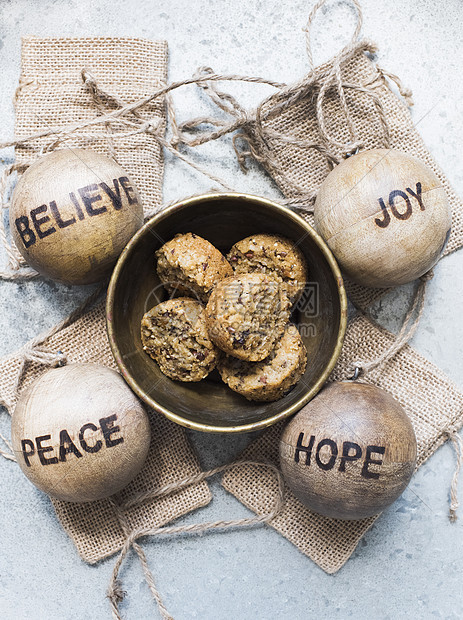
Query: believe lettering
point(87, 201)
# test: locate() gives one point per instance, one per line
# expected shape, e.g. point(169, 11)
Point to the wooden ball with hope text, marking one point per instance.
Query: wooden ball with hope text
point(350, 452)
point(79, 433)
point(72, 213)
point(385, 216)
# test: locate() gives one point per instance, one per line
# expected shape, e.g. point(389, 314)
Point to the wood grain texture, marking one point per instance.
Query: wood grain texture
point(385, 216)
point(72, 213)
point(79, 433)
point(350, 452)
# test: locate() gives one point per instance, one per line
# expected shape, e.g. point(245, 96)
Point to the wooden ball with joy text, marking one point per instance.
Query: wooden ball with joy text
point(385, 216)
point(350, 452)
point(79, 433)
point(72, 213)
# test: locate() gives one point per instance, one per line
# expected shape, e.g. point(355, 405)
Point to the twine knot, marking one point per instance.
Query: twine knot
point(450, 430)
point(54, 359)
point(152, 126)
point(426, 277)
point(115, 592)
point(352, 149)
point(405, 92)
point(88, 79)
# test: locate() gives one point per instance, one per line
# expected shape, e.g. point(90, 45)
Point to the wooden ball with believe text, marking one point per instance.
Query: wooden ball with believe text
point(79, 433)
point(350, 452)
point(72, 213)
point(385, 216)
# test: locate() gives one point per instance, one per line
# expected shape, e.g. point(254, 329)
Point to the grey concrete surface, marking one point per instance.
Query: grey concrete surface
point(410, 563)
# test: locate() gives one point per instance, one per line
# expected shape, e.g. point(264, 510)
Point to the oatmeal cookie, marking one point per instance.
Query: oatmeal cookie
point(270, 379)
point(274, 255)
point(174, 334)
point(246, 315)
point(191, 266)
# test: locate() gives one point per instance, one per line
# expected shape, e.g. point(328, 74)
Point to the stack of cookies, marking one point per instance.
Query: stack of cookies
point(229, 313)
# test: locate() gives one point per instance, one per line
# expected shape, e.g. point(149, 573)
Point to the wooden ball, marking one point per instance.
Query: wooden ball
point(79, 433)
point(385, 216)
point(350, 452)
point(72, 213)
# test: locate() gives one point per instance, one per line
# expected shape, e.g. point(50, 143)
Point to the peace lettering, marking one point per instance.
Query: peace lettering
point(383, 223)
point(85, 201)
point(88, 442)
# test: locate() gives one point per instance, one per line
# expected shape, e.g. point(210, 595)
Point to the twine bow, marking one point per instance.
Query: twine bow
point(115, 592)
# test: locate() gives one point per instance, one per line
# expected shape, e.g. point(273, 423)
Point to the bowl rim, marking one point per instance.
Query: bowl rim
point(240, 428)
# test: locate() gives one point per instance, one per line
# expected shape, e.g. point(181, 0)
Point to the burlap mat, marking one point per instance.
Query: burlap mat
point(306, 168)
point(51, 93)
point(431, 400)
point(93, 526)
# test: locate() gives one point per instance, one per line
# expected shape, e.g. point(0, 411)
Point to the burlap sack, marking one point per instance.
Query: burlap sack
point(93, 526)
point(298, 171)
point(307, 168)
point(380, 118)
point(52, 94)
point(433, 403)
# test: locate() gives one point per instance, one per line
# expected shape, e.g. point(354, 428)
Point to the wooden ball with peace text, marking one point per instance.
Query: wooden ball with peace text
point(79, 433)
point(385, 216)
point(350, 452)
point(72, 213)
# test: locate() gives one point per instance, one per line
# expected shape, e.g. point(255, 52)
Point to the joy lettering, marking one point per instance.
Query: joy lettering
point(404, 215)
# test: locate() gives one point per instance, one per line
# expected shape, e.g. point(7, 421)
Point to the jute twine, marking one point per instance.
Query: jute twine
point(115, 591)
point(252, 122)
point(33, 353)
point(250, 129)
point(409, 327)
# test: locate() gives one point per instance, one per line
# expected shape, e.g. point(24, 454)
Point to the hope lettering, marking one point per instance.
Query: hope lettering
point(348, 453)
point(67, 447)
point(384, 222)
point(46, 219)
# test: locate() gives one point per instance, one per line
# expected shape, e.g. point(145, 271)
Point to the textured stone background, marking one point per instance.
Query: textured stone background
point(411, 560)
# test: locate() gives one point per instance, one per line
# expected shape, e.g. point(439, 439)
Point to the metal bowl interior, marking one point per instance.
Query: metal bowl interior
point(223, 219)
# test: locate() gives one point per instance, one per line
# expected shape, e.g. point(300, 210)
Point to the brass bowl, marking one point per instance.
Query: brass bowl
point(222, 219)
